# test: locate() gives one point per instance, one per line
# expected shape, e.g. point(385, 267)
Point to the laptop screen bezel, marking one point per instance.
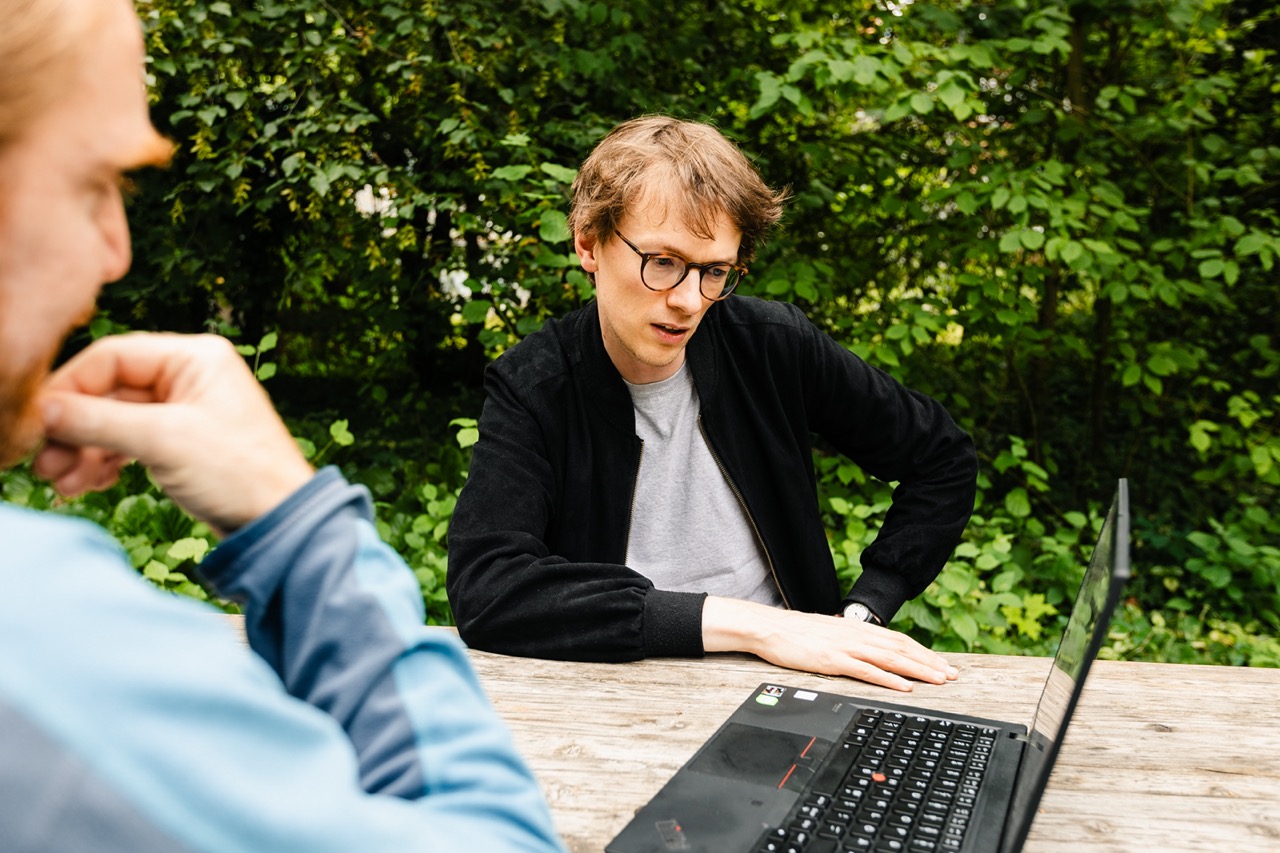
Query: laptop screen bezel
point(1041, 753)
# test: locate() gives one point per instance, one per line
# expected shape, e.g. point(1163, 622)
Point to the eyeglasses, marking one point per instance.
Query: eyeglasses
point(661, 272)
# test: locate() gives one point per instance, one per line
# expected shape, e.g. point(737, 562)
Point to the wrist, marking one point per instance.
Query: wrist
point(733, 625)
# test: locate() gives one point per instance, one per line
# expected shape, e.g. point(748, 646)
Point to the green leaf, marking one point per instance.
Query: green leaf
point(468, 436)
point(554, 227)
point(770, 92)
point(922, 103)
point(290, 164)
point(1212, 268)
point(965, 626)
point(1017, 503)
point(156, 571)
point(560, 173)
point(511, 173)
point(340, 434)
point(268, 342)
point(477, 310)
point(266, 371)
point(865, 69)
point(237, 99)
point(951, 94)
point(967, 203)
point(898, 110)
point(957, 579)
point(191, 548)
point(1032, 239)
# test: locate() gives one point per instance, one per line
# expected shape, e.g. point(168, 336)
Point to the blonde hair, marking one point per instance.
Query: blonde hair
point(38, 55)
point(692, 165)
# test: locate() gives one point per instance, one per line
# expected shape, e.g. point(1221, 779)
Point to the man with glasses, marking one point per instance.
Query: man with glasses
point(643, 483)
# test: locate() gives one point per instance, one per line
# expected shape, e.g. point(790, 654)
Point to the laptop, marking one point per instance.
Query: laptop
point(802, 771)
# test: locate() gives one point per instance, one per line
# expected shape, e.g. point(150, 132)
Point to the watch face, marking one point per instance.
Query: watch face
point(858, 611)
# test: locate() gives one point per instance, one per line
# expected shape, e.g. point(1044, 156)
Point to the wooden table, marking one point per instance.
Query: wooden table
point(1159, 757)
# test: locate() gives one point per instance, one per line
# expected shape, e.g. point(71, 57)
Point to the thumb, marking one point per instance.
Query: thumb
point(82, 420)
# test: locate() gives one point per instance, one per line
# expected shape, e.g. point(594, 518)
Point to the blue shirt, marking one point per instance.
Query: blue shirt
point(134, 720)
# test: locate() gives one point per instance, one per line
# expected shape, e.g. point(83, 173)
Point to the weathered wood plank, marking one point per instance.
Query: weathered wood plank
point(1160, 757)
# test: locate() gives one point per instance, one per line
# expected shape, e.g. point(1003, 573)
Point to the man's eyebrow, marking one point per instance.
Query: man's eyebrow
point(669, 250)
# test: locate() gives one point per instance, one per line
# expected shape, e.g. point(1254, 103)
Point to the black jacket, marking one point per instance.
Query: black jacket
point(539, 535)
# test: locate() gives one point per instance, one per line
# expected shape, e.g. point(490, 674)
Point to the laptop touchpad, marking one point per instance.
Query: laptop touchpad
point(763, 756)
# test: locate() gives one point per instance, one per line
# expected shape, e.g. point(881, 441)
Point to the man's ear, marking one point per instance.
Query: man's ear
point(587, 247)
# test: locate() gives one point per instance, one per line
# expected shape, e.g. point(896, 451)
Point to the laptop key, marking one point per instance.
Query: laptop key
point(822, 845)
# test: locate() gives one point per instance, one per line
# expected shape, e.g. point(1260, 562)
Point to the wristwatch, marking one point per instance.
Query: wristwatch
point(862, 613)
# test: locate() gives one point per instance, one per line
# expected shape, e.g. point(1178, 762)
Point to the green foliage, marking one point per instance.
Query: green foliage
point(161, 541)
point(1057, 218)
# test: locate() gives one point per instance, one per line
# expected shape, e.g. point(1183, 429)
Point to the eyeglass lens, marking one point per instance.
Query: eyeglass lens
point(663, 272)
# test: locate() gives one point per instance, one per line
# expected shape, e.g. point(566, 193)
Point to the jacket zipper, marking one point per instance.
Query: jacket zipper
point(733, 487)
point(631, 511)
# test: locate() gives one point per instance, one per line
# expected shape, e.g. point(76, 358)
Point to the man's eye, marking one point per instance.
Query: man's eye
point(718, 272)
point(664, 261)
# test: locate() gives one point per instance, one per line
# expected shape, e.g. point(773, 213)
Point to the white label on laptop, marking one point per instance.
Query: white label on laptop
point(807, 695)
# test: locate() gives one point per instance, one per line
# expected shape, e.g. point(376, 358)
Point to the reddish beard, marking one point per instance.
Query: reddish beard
point(21, 426)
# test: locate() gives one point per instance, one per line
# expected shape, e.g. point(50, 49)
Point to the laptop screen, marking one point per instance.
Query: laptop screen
point(1085, 632)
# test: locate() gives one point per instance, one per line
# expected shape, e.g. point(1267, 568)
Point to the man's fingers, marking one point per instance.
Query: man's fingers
point(80, 420)
point(905, 655)
point(76, 470)
point(872, 674)
point(141, 361)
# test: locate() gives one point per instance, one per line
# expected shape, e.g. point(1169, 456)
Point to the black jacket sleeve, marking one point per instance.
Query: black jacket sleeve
point(902, 436)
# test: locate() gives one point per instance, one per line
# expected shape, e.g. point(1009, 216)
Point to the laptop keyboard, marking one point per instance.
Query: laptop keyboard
point(894, 782)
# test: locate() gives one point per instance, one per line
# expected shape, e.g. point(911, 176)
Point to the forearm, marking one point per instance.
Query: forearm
point(339, 617)
point(530, 606)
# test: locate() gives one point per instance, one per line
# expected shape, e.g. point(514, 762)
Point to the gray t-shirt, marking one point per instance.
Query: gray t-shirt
point(689, 531)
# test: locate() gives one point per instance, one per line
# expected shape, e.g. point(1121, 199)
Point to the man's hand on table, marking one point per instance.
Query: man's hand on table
point(811, 642)
point(188, 408)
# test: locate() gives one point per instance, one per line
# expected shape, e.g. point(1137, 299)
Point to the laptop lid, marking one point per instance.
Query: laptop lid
point(1087, 627)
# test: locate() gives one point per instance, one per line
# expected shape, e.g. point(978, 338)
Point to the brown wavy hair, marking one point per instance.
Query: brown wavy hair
point(692, 165)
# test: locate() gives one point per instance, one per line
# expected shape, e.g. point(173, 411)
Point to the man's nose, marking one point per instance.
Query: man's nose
point(687, 295)
point(118, 253)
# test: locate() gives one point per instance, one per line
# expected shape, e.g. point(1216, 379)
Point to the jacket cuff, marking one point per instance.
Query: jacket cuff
point(673, 623)
point(883, 591)
point(224, 566)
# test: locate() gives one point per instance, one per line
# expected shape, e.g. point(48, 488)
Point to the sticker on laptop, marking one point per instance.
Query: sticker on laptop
point(770, 694)
point(806, 695)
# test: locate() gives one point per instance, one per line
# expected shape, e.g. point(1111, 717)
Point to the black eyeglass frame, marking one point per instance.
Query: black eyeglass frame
point(688, 266)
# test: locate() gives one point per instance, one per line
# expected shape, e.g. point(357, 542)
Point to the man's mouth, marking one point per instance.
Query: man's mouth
point(675, 331)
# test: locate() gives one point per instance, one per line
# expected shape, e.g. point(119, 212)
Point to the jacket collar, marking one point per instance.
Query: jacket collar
point(601, 381)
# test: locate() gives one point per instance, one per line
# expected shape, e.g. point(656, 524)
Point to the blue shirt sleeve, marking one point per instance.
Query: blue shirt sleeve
point(387, 743)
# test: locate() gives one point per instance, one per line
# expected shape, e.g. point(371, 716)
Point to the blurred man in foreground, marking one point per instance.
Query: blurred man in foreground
point(131, 720)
